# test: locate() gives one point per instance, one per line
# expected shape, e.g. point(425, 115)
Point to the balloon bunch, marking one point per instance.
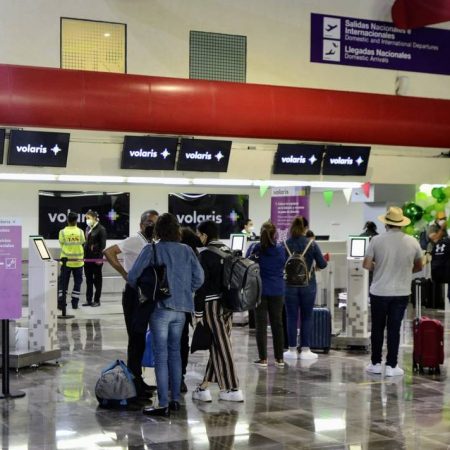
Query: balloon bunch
point(423, 210)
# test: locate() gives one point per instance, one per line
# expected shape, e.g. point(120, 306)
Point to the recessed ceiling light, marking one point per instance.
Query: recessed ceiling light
point(107, 34)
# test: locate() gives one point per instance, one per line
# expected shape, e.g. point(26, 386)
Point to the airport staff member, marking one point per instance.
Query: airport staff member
point(71, 239)
point(393, 256)
point(130, 248)
point(248, 230)
point(93, 249)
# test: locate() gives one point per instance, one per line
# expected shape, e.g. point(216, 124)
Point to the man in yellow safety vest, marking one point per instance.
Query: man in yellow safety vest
point(71, 239)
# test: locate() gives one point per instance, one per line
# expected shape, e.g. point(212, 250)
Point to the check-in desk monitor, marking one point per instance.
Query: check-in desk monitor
point(237, 242)
point(42, 248)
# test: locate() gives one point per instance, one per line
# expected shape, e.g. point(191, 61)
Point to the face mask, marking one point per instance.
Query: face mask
point(251, 229)
point(90, 222)
point(441, 222)
point(148, 230)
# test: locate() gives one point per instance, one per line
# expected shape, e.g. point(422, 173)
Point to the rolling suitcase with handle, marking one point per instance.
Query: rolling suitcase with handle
point(321, 330)
point(428, 350)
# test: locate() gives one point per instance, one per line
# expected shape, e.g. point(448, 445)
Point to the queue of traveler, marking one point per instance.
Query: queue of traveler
point(194, 273)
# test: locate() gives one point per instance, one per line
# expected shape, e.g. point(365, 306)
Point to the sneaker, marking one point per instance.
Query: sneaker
point(291, 354)
point(279, 363)
point(231, 396)
point(394, 371)
point(95, 304)
point(202, 394)
point(87, 304)
point(308, 355)
point(374, 368)
point(261, 362)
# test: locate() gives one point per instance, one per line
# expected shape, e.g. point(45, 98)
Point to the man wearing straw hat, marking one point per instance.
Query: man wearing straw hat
point(393, 257)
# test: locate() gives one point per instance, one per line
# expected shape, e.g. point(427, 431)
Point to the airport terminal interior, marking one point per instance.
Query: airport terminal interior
point(232, 111)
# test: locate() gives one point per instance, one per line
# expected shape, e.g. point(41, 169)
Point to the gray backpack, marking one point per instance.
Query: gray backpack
point(115, 387)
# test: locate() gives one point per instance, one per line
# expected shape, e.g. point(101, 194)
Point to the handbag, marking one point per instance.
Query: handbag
point(153, 284)
point(202, 337)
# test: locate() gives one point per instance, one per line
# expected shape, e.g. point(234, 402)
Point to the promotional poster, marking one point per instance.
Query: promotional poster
point(228, 211)
point(113, 209)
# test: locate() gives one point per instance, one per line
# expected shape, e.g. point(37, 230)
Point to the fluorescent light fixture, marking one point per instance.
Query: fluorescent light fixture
point(221, 182)
point(158, 180)
point(27, 177)
point(91, 179)
point(331, 424)
point(107, 34)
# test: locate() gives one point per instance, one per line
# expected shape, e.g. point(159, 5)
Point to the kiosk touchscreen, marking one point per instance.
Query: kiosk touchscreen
point(237, 242)
point(357, 247)
point(42, 248)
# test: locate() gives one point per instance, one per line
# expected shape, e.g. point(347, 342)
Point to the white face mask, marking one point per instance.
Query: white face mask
point(441, 222)
point(90, 222)
point(251, 229)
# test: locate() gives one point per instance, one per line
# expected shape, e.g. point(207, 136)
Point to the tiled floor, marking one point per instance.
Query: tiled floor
point(331, 404)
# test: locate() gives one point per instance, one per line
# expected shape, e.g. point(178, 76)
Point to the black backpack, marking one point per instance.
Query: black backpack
point(296, 273)
point(241, 282)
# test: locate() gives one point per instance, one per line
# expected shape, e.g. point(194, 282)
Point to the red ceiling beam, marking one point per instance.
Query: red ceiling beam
point(409, 14)
point(55, 98)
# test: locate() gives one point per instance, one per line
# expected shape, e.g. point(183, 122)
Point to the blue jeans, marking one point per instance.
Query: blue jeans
point(386, 311)
point(300, 299)
point(166, 326)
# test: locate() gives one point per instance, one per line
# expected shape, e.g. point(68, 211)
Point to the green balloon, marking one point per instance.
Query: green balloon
point(420, 196)
point(447, 191)
point(439, 206)
point(438, 193)
point(413, 212)
point(409, 230)
point(428, 218)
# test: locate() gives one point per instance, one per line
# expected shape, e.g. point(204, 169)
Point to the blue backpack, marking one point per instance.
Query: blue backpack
point(424, 240)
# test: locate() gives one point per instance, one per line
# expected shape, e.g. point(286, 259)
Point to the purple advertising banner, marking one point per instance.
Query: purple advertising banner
point(10, 269)
point(285, 205)
point(371, 43)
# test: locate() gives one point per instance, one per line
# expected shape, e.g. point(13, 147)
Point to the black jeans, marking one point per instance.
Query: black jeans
point(136, 340)
point(273, 306)
point(64, 278)
point(93, 274)
point(184, 345)
point(386, 312)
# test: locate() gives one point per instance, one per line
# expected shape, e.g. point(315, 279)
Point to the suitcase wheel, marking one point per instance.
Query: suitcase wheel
point(326, 351)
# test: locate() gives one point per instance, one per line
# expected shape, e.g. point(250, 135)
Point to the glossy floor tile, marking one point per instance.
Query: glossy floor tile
point(328, 404)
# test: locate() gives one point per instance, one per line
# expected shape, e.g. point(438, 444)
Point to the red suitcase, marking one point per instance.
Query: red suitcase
point(428, 350)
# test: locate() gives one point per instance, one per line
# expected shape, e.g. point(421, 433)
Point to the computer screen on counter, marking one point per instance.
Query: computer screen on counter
point(237, 242)
point(357, 247)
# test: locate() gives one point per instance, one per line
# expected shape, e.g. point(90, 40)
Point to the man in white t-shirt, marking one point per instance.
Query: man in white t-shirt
point(393, 256)
point(135, 319)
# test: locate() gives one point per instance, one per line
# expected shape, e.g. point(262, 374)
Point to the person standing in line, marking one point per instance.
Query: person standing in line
point(271, 258)
point(71, 239)
point(189, 238)
point(220, 368)
point(93, 249)
point(436, 232)
point(185, 276)
point(301, 299)
point(393, 257)
point(136, 325)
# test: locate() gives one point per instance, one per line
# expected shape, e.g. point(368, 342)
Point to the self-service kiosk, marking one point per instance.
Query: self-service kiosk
point(357, 311)
point(42, 296)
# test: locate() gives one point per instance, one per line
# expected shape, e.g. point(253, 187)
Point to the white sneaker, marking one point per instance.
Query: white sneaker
point(393, 371)
point(231, 396)
point(261, 363)
point(374, 368)
point(291, 354)
point(308, 355)
point(202, 394)
point(279, 363)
